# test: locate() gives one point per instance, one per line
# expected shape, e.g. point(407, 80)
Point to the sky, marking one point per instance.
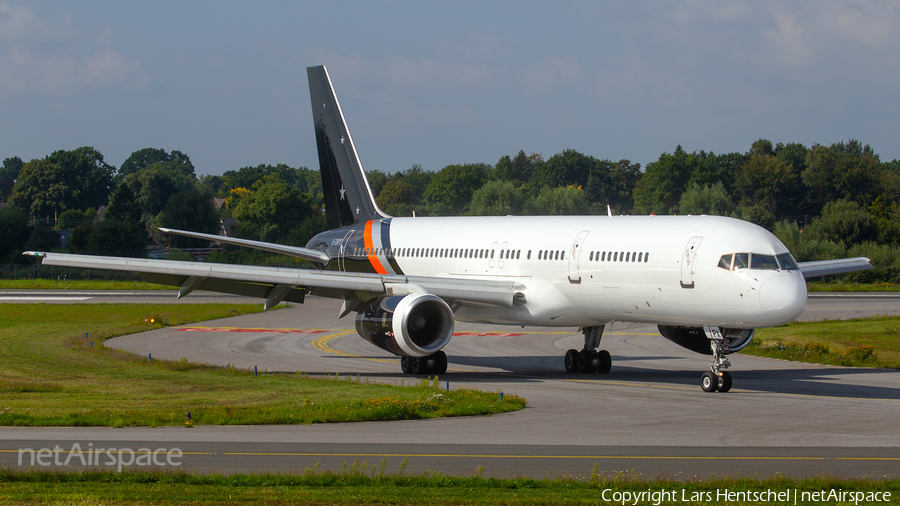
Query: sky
point(439, 83)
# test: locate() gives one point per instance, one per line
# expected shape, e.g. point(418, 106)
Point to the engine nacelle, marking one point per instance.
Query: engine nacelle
point(694, 339)
point(414, 325)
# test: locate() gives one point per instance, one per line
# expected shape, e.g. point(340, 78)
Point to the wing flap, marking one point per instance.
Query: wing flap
point(839, 266)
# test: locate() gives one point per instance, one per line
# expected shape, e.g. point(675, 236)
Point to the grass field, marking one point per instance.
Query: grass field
point(819, 286)
point(869, 342)
point(373, 485)
point(54, 376)
point(78, 284)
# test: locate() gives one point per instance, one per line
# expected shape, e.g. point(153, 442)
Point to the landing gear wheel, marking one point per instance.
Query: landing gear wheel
point(405, 366)
point(571, 361)
point(440, 363)
point(586, 361)
point(709, 382)
point(604, 362)
point(418, 365)
point(725, 385)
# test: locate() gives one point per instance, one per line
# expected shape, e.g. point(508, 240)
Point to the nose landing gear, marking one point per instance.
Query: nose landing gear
point(718, 379)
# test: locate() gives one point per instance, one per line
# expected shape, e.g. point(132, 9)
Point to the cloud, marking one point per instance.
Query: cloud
point(433, 74)
point(18, 23)
point(544, 75)
point(23, 72)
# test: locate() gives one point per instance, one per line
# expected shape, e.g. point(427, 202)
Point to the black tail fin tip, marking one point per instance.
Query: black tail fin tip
point(348, 197)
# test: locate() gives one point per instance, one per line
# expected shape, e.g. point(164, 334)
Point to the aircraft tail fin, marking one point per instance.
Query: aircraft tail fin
point(348, 197)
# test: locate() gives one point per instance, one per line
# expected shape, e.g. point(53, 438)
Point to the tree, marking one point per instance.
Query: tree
point(844, 222)
point(712, 200)
point(189, 210)
point(564, 169)
point(765, 180)
point(848, 171)
point(14, 231)
point(395, 191)
point(271, 209)
point(77, 179)
point(8, 174)
point(612, 184)
point(377, 179)
point(123, 205)
point(148, 157)
point(153, 186)
point(451, 189)
point(497, 198)
point(567, 200)
point(659, 189)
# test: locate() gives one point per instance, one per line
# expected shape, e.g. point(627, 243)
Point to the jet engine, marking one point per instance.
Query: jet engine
point(694, 339)
point(414, 325)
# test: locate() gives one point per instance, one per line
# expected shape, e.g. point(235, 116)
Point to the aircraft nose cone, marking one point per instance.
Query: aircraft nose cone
point(783, 298)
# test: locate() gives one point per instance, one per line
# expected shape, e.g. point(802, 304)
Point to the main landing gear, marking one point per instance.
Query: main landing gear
point(432, 364)
point(717, 379)
point(589, 360)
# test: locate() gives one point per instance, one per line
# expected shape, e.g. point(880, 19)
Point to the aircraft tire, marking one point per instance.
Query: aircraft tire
point(604, 364)
point(440, 362)
point(405, 365)
point(419, 366)
point(584, 361)
point(726, 383)
point(709, 382)
point(571, 361)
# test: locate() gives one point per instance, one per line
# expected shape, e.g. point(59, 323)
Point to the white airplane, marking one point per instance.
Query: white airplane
point(708, 282)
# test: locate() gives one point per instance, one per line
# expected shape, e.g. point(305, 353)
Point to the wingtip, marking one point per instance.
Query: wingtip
point(34, 254)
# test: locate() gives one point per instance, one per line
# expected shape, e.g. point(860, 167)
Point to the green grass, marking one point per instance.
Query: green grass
point(819, 286)
point(51, 376)
point(372, 485)
point(77, 284)
point(868, 342)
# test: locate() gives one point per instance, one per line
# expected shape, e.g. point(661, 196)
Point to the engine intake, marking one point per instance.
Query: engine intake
point(694, 339)
point(414, 325)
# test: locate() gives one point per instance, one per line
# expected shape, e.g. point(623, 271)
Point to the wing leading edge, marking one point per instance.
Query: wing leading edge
point(838, 266)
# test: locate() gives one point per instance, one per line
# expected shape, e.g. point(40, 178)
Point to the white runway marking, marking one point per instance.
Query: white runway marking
point(45, 299)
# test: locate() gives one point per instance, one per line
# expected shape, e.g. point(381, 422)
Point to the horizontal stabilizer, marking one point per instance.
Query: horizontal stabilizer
point(838, 266)
point(293, 251)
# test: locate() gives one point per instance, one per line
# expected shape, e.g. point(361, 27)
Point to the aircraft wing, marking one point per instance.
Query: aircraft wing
point(276, 284)
point(839, 266)
point(305, 253)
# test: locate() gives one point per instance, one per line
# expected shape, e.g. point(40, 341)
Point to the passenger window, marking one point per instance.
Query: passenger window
point(646, 256)
point(766, 262)
point(628, 257)
point(528, 255)
point(591, 257)
point(640, 256)
point(741, 261)
point(603, 257)
point(616, 256)
point(725, 262)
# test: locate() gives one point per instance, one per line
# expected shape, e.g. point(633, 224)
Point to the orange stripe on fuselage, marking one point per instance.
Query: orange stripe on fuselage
point(367, 240)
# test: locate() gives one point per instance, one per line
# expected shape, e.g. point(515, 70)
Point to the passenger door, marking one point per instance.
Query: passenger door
point(575, 257)
point(687, 262)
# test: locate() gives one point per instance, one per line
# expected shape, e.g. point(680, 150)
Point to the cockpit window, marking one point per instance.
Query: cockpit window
point(725, 262)
point(759, 261)
point(741, 260)
point(786, 260)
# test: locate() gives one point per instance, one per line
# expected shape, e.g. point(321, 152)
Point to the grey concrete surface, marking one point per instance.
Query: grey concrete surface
point(648, 414)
